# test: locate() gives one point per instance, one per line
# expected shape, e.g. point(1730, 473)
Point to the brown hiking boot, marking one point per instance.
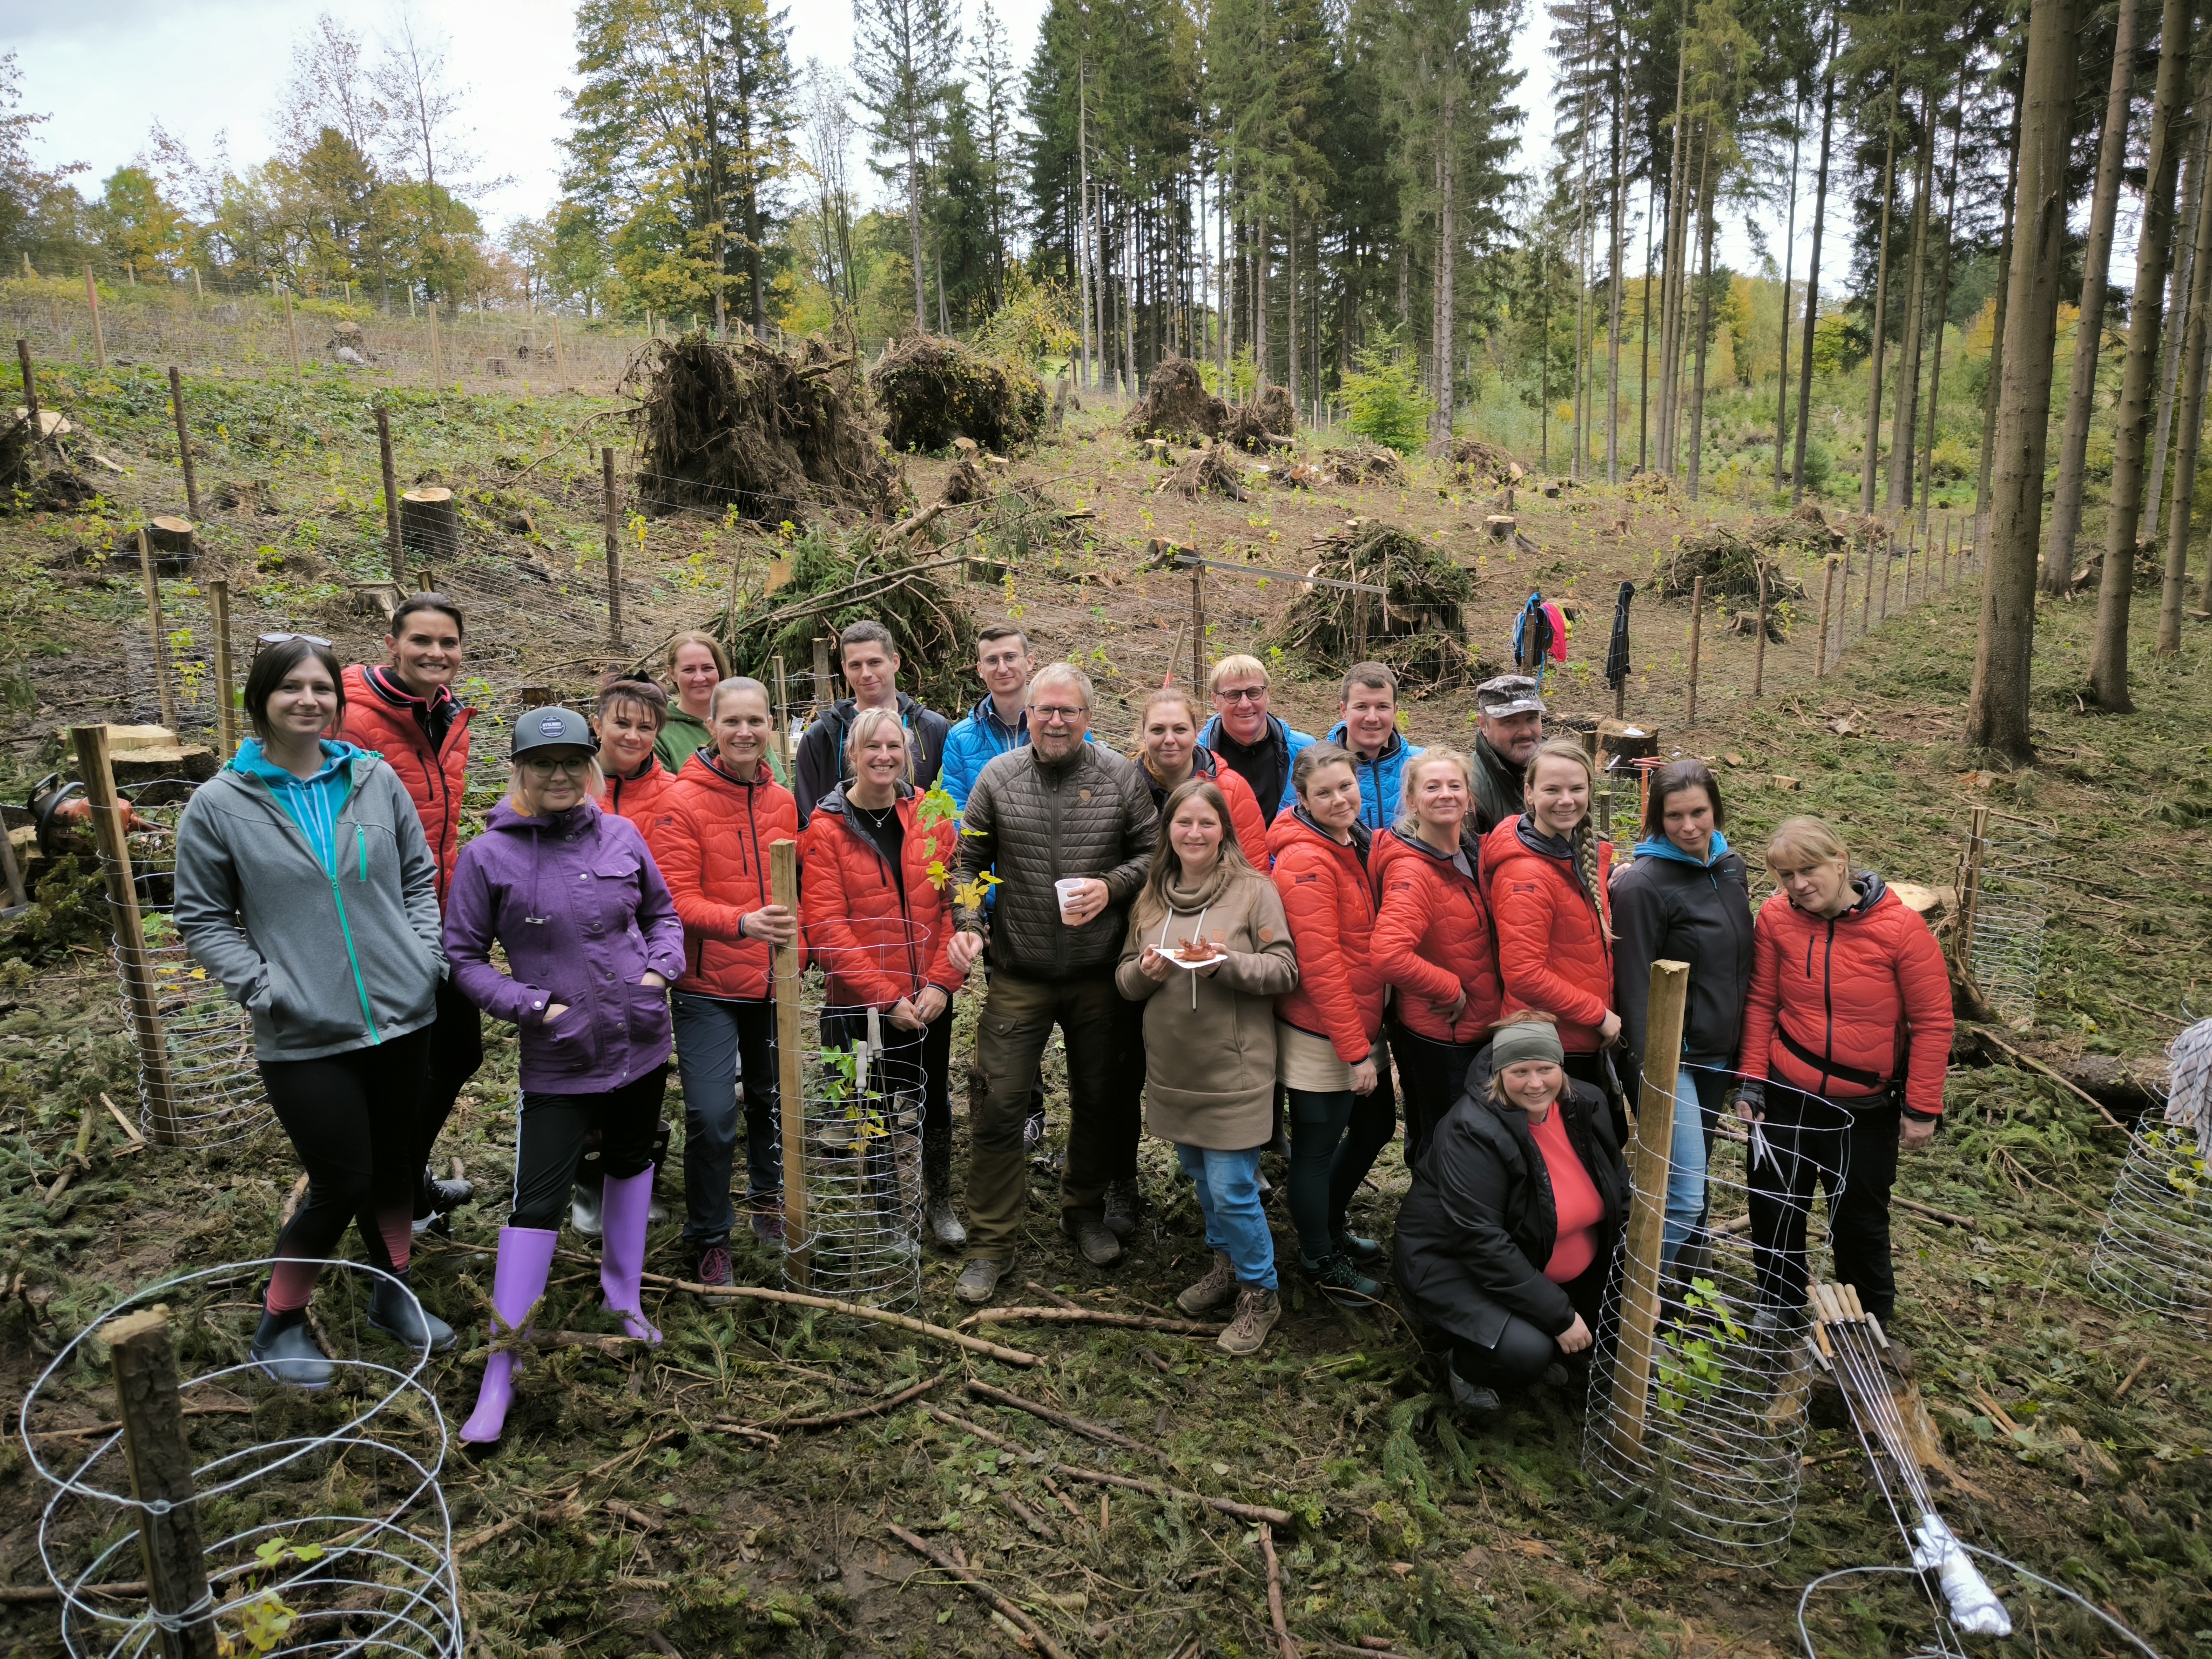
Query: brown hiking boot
point(1257, 1310)
point(1211, 1291)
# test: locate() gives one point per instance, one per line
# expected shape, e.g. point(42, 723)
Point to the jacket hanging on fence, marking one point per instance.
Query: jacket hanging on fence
point(1540, 635)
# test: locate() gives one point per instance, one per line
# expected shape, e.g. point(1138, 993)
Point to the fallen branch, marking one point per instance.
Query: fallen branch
point(1073, 1425)
point(500, 1530)
point(110, 1428)
point(1991, 1039)
point(977, 1430)
point(1289, 1649)
point(1090, 1316)
point(1012, 1613)
point(1259, 1512)
point(129, 1127)
point(919, 1327)
point(2130, 1380)
point(603, 1343)
point(907, 526)
point(1049, 1295)
point(747, 1432)
point(1933, 1214)
point(874, 1408)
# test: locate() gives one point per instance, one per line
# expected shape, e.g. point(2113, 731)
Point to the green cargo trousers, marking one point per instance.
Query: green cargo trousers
point(1105, 1038)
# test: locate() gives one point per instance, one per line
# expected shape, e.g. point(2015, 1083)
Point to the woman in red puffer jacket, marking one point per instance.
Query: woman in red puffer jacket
point(1554, 948)
point(1327, 1050)
point(876, 916)
point(1432, 939)
point(632, 711)
point(1846, 1038)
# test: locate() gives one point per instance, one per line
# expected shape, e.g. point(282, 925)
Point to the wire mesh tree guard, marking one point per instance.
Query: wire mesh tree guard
point(1711, 1440)
point(312, 1521)
point(2003, 897)
point(862, 1089)
point(2154, 1251)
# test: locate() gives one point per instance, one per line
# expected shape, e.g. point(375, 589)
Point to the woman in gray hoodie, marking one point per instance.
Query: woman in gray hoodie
point(305, 886)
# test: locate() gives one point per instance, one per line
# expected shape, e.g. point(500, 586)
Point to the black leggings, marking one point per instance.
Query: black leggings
point(549, 1141)
point(1522, 1351)
point(352, 1118)
point(1434, 1076)
point(455, 1054)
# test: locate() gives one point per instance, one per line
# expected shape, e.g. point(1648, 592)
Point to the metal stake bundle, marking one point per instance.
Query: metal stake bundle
point(1851, 1342)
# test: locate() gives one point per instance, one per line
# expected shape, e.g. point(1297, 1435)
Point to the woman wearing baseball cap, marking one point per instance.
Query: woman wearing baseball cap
point(592, 940)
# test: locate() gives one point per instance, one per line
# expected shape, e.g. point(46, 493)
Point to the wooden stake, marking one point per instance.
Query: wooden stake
point(196, 293)
point(138, 991)
point(183, 442)
point(31, 391)
point(155, 628)
point(17, 898)
point(437, 369)
point(1828, 600)
point(92, 298)
point(560, 358)
point(1759, 644)
point(1969, 890)
point(143, 1359)
point(292, 331)
point(798, 1247)
point(614, 548)
point(1866, 606)
point(1888, 558)
point(782, 714)
point(391, 495)
point(825, 690)
point(1647, 1211)
point(226, 703)
point(1197, 628)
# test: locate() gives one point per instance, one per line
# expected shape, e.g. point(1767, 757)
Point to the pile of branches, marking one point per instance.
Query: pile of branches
point(1211, 468)
point(933, 390)
point(872, 574)
point(772, 433)
point(1730, 563)
point(1415, 625)
point(36, 470)
point(1362, 463)
point(1267, 423)
point(1177, 404)
point(1473, 460)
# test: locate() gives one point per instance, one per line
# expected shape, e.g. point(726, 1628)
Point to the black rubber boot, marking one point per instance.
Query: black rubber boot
point(940, 1221)
point(393, 1310)
point(285, 1348)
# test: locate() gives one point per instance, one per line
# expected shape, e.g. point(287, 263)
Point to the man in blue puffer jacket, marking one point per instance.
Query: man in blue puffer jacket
point(1367, 726)
point(1000, 721)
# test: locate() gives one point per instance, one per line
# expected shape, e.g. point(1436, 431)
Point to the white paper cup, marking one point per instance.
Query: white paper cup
point(1066, 890)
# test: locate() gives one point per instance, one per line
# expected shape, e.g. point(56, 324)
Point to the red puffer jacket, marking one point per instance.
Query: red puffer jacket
point(878, 936)
point(1553, 953)
point(639, 799)
point(382, 716)
point(1432, 936)
point(711, 838)
point(1246, 821)
point(1331, 907)
point(1840, 1007)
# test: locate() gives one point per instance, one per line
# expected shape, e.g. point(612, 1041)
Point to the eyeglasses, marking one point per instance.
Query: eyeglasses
point(576, 766)
point(1242, 694)
point(1053, 714)
point(315, 639)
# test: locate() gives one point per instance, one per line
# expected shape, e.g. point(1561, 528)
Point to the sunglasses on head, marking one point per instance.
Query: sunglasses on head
point(315, 639)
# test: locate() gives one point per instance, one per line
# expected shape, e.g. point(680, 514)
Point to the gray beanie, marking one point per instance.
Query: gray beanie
point(1527, 1039)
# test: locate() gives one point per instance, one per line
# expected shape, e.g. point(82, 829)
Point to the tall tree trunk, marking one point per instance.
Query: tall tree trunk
point(1643, 336)
point(1942, 309)
point(2088, 339)
point(914, 227)
point(1872, 458)
point(1290, 304)
point(2108, 660)
point(1813, 268)
point(1788, 259)
point(2183, 272)
point(1447, 280)
point(1997, 707)
point(1704, 330)
point(2000, 322)
point(1670, 290)
point(2192, 427)
point(1614, 204)
point(1913, 325)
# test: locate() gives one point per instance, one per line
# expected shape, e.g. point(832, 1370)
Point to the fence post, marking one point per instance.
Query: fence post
point(391, 493)
point(92, 298)
point(782, 715)
point(1970, 895)
point(292, 333)
point(159, 634)
point(560, 357)
point(825, 688)
point(1197, 628)
point(1827, 598)
point(783, 888)
point(226, 710)
point(614, 547)
point(143, 1359)
point(1697, 639)
point(184, 443)
point(1759, 643)
point(1647, 1205)
point(437, 371)
point(98, 775)
point(30, 388)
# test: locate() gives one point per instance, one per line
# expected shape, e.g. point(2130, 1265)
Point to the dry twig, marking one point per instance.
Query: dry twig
point(929, 1551)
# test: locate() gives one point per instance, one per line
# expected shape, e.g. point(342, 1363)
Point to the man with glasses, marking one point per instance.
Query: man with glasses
point(406, 712)
point(1254, 745)
point(1068, 826)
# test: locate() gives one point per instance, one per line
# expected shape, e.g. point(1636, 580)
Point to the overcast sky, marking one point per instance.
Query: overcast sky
point(101, 68)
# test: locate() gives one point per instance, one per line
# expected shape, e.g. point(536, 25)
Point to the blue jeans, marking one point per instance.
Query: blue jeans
point(1228, 1193)
point(1686, 1168)
point(712, 1036)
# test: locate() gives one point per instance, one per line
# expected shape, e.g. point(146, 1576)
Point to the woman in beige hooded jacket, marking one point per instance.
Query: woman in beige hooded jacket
point(1208, 953)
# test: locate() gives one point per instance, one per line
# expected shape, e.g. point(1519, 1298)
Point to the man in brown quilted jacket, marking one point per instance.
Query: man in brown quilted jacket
point(1067, 825)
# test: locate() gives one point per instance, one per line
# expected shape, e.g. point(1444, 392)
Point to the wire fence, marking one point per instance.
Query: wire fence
point(2006, 897)
point(320, 1523)
point(2154, 1251)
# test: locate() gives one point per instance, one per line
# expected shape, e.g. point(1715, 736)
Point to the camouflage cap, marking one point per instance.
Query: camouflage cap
point(1509, 694)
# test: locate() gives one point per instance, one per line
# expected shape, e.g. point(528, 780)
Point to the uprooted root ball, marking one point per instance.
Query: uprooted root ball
point(933, 390)
point(1177, 404)
point(1473, 461)
point(1731, 563)
point(772, 433)
point(1267, 422)
point(1203, 470)
point(1361, 463)
point(1415, 625)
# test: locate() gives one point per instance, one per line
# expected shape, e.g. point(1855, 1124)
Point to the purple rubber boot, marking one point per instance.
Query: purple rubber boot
point(623, 1207)
point(525, 1256)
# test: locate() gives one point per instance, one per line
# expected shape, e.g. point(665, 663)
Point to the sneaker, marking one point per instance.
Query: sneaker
point(767, 1227)
point(979, 1280)
point(1099, 1247)
point(1211, 1291)
point(1257, 1310)
point(713, 1265)
point(584, 1210)
point(1120, 1208)
point(1361, 1250)
point(1340, 1281)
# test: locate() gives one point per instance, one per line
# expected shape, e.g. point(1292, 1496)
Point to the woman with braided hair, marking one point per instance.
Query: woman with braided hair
point(1554, 945)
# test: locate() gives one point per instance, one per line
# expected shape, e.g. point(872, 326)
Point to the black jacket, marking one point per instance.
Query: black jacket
point(1670, 909)
point(819, 766)
point(1497, 788)
point(1480, 1222)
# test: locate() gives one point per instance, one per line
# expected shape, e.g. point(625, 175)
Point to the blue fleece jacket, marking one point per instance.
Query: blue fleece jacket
point(1663, 848)
point(313, 803)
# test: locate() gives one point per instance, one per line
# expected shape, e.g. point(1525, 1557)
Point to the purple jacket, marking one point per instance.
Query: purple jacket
point(581, 908)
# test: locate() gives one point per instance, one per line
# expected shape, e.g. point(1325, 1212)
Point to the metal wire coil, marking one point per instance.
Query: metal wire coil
point(2154, 1251)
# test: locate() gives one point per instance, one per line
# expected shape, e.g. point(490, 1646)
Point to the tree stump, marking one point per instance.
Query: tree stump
point(1501, 526)
point(153, 755)
point(1622, 743)
point(172, 540)
point(430, 523)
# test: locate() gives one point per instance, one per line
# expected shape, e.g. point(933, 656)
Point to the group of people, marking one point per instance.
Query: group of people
point(1248, 939)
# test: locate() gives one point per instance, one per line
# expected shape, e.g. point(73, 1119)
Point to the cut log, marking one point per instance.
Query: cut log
point(429, 524)
point(1622, 743)
point(1932, 905)
point(1501, 526)
point(142, 755)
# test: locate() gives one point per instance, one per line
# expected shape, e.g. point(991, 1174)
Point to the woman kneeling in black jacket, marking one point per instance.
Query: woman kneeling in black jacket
point(1505, 1239)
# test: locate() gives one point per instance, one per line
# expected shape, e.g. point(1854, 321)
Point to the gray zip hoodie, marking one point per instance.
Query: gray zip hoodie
point(323, 962)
